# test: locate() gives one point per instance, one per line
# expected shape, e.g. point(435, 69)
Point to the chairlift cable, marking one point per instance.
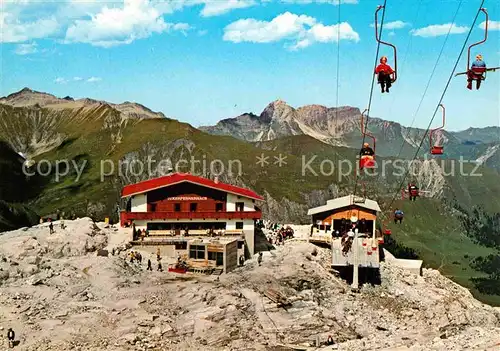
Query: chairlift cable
point(371, 92)
point(440, 100)
point(429, 81)
point(338, 85)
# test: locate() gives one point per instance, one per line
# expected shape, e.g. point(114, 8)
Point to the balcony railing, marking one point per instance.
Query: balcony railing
point(130, 216)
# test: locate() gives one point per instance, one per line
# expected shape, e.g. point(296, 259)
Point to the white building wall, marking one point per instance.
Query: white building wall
point(139, 203)
point(233, 199)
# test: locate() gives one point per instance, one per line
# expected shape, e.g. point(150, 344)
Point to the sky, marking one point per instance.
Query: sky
point(200, 61)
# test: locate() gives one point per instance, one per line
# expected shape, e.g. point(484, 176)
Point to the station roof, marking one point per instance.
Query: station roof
point(176, 178)
point(342, 202)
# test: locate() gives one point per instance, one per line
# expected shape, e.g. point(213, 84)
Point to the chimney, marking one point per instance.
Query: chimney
point(216, 180)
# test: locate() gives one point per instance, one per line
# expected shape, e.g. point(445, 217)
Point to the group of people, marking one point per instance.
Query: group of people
point(280, 235)
point(138, 233)
point(136, 256)
point(349, 227)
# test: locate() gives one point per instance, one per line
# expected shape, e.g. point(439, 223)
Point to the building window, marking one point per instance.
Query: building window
point(197, 252)
point(177, 207)
point(193, 206)
point(181, 246)
point(239, 225)
point(153, 207)
point(218, 207)
point(240, 206)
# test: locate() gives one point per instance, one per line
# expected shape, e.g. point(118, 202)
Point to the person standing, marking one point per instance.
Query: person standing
point(11, 336)
point(150, 268)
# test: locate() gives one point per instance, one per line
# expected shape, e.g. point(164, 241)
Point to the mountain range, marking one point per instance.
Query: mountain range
point(97, 137)
point(341, 127)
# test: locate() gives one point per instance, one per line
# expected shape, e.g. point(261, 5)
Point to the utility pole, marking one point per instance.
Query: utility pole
point(355, 271)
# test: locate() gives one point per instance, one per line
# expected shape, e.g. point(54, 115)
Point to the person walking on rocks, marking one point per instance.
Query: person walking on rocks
point(150, 268)
point(160, 269)
point(51, 227)
point(259, 259)
point(11, 336)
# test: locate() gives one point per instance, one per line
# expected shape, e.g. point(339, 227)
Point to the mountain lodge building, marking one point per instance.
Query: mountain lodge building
point(168, 205)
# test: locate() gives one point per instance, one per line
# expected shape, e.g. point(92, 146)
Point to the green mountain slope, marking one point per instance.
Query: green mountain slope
point(435, 232)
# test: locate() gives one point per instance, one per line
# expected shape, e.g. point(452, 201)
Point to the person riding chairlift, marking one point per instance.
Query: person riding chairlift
point(476, 72)
point(398, 216)
point(412, 191)
point(385, 74)
point(366, 153)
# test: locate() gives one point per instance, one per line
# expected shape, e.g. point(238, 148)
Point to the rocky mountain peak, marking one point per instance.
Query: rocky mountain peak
point(28, 97)
point(277, 110)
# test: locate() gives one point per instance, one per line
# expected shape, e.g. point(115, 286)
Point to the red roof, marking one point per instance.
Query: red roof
point(156, 183)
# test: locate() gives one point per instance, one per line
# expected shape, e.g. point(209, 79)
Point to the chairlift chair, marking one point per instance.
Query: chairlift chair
point(377, 37)
point(478, 73)
point(437, 149)
point(367, 161)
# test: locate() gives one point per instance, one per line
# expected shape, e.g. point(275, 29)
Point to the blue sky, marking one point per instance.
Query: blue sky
point(200, 61)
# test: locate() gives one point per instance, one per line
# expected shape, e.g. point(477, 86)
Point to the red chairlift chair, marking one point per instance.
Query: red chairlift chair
point(436, 149)
point(367, 161)
point(377, 37)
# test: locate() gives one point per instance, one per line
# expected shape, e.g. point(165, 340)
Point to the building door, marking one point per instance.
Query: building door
point(240, 206)
point(219, 259)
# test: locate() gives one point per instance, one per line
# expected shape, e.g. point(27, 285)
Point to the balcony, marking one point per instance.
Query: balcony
point(130, 216)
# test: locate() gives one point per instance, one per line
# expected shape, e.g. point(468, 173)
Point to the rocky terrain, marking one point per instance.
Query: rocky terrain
point(60, 292)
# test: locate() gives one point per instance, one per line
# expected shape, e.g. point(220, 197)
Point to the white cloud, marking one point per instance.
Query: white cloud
point(61, 80)
point(218, 7)
point(302, 30)
point(492, 25)
point(436, 30)
point(394, 25)
point(26, 49)
point(181, 27)
point(101, 22)
point(14, 31)
point(115, 26)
